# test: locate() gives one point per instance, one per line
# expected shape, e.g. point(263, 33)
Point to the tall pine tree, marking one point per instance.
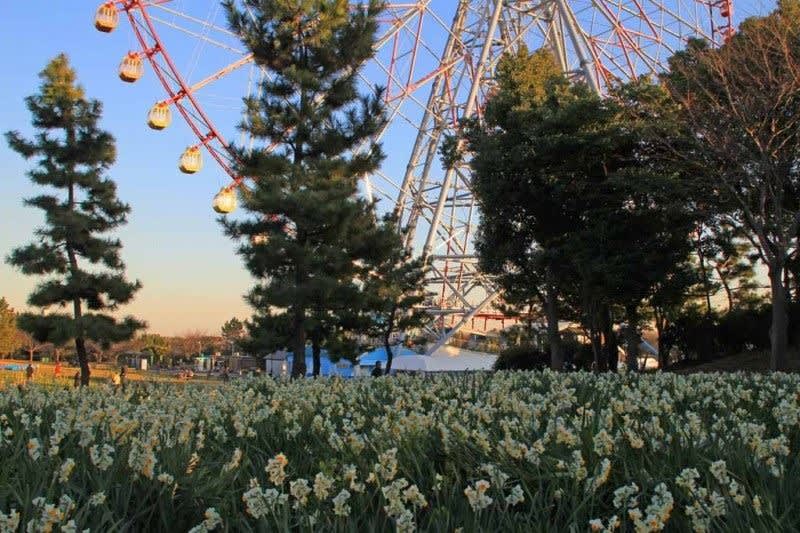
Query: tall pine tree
point(306, 235)
point(73, 154)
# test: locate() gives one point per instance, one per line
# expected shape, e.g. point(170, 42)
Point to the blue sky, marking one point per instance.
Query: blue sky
point(173, 244)
point(192, 278)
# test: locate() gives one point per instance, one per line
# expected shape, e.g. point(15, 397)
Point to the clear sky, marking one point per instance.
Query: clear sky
point(173, 244)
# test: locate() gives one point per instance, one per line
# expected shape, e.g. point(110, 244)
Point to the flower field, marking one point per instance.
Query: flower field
point(499, 452)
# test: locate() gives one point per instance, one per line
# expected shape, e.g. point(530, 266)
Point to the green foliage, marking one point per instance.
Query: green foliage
point(525, 79)
point(233, 331)
point(305, 200)
point(72, 154)
point(576, 203)
point(9, 336)
point(157, 346)
point(701, 336)
point(743, 329)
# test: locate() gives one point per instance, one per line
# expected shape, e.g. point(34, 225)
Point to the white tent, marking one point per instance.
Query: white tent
point(415, 363)
point(445, 359)
point(461, 359)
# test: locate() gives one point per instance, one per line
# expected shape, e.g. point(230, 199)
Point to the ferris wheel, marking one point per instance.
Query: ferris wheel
point(435, 59)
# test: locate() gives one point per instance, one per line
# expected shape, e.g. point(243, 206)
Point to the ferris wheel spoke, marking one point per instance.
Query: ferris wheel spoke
point(411, 95)
point(644, 16)
point(224, 71)
point(398, 23)
point(692, 29)
point(199, 36)
point(195, 20)
point(625, 42)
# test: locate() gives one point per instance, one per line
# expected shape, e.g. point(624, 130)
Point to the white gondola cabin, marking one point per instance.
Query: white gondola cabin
point(191, 160)
point(160, 116)
point(131, 68)
point(225, 201)
point(106, 18)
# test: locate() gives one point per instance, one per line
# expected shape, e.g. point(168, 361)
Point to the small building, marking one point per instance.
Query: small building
point(276, 364)
point(240, 363)
point(204, 363)
point(135, 360)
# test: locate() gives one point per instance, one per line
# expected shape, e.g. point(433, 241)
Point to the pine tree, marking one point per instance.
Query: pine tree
point(9, 336)
point(72, 156)
point(233, 331)
point(307, 232)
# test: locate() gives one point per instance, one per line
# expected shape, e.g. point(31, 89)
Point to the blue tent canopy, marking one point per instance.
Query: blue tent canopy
point(343, 368)
point(379, 354)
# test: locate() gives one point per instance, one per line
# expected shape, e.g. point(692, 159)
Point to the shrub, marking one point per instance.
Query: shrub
point(743, 330)
point(522, 357)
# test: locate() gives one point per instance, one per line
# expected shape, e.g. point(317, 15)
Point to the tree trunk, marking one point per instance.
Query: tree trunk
point(80, 341)
point(83, 361)
point(553, 336)
point(704, 272)
point(796, 270)
point(780, 322)
point(610, 346)
point(663, 351)
point(726, 286)
point(315, 355)
point(632, 338)
point(389, 355)
point(299, 345)
point(387, 335)
point(597, 349)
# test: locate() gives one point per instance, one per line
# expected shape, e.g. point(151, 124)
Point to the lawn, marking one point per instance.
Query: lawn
point(101, 375)
point(493, 452)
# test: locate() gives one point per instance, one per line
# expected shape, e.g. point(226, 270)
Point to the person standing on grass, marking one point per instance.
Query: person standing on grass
point(377, 371)
point(28, 373)
point(57, 369)
point(76, 379)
